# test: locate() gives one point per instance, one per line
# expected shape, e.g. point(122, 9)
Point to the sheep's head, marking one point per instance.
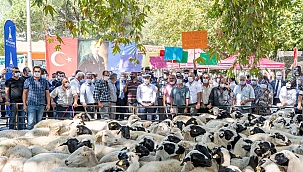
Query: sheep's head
point(114, 125)
point(80, 157)
point(125, 159)
point(280, 139)
point(149, 143)
point(263, 148)
point(197, 158)
point(105, 137)
point(256, 130)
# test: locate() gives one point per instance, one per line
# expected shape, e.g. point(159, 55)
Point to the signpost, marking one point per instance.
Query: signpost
point(194, 39)
point(10, 47)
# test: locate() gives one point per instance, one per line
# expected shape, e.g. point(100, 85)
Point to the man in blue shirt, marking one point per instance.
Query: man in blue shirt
point(35, 95)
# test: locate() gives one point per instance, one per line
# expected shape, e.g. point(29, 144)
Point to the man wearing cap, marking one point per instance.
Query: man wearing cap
point(277, 84)
point(102, 96)
point(195, 93)
point(146, 97)
point(179, 96)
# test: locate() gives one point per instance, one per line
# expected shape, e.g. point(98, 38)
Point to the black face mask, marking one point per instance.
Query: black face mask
point(132, 77)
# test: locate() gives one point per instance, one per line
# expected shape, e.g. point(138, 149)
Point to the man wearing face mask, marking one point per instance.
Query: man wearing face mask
point(26, 73)
point(13, 97)
point(221, 95)
point(130, 89)
point(244, 95)
point(35, 94)
point(186, 74)
point(166, 96)
point(277, 84)
point(257, 91)
point(75, 85)
point(86, 95)
point(102, 96)
point(113, 94)
point(146, 97)
point(206, 90)
point(288, 94)
point(217, 80)
point(265, 99)
point(195, 90)
point(67, 99)
point(121, 97)
point(179, 97)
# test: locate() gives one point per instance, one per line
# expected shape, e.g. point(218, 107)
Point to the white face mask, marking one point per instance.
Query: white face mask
point(164, 77)
point(190, 79)
point(185, 75)
point(89, 81)
point(139, 77)
point(218, 80)
point(242, 82)
point(222, 85)
point(205, 81)
point(146, 81)
point(288, 85)
point(37, 74)
point(179, 81)
point(17, 75)
point(29, 74)
point(279, 77)
point(66, 85)
point(172, 83)
point(106, 78)
point(44, 76)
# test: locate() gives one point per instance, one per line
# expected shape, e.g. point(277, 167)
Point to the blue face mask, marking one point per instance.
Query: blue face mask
point(253, 82)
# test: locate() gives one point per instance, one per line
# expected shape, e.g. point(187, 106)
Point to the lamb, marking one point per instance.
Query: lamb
point(49, 122)
point(82, 157)
point(267, 165)
point(167, 150)
point(276, 138)
point(16, 157)
point(3, 161)
point(161, 129)
point(288, 160)
point(171, 165)
point(45, 162)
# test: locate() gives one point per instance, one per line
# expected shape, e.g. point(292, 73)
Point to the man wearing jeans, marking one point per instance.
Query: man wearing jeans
point(102, 96)
point(35, 94)
point(13, 94)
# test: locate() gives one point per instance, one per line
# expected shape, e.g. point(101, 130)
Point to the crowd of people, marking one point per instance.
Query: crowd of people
point(110, 96)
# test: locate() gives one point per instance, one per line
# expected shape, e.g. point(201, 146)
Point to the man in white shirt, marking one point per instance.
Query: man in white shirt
point(146, 97)
point(86, 95)
point(195, 89)
point(206, 90)
point(75, 85)
point(277, 84)
point(244, 95)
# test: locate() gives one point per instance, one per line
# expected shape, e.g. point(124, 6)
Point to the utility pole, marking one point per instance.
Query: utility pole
point(29, 35)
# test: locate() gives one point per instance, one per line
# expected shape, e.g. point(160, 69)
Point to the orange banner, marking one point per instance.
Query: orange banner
point(194, 39)
point(63, 60)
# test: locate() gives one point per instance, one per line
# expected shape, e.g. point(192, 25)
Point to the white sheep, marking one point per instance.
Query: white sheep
point(37, 132)
point(3, 161)
point(36, 149)
point(45, 162)
point(242, 147)
point(101, 150)
point(161, 129)
point(105, 137)
point(16, 157)
point(13, 133)
point(276, 138)
point(82, 157)
point(48, 122)
point(267, 165)
point(171, 165)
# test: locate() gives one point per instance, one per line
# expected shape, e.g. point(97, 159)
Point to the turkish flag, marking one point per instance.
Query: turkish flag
point(65, 59)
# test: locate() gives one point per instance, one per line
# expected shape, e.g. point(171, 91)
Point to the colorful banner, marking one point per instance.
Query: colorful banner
point(114, 62)
point(184, 57)
point(92, 56)
point(194, 39)
point(157, 62)
point(128, 65)
point(209, 61)
point(10, 47)
point(63, 60)
point(146, 58)
point(173, 53)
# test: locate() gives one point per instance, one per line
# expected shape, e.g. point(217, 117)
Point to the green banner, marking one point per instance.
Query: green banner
point(184, 57)
point(208, 61)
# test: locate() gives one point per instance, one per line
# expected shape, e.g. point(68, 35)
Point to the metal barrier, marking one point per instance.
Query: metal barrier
point(154, 111)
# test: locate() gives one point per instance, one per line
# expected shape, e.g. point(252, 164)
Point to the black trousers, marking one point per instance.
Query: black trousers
point(120, 110)
point(276, 101)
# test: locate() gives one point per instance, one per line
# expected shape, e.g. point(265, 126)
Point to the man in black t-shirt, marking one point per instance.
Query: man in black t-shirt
point(13, 97)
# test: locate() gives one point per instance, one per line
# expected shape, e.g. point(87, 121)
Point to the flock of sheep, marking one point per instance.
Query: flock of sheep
point(219, 141)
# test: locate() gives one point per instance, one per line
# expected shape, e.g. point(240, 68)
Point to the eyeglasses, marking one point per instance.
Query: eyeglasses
point(17, 71)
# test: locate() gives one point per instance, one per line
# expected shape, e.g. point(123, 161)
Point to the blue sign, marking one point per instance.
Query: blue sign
point(10, 47)
point(114, 59)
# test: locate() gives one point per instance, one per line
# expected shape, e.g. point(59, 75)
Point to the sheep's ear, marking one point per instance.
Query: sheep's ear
point(124, 149)
point(119, 132)
point(131, 128)
point(160, 148)
point(272, 135)
point(296, 155)
point(84, 154)
point(234, 156)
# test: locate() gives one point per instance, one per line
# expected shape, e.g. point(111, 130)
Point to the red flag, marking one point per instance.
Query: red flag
point(65, 59)
point(295, 57)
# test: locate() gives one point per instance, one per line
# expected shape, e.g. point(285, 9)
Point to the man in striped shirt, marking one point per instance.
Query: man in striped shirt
point(130, 88)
